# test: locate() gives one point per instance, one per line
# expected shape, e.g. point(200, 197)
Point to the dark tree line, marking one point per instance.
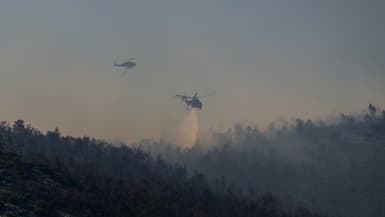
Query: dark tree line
point(334, 166)
point(125, 181)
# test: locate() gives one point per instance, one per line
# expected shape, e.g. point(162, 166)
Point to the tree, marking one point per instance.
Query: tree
point(372, 110)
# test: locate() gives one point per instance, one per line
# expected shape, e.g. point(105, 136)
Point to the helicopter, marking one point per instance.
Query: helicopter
point(191, 101)
point(127, 65)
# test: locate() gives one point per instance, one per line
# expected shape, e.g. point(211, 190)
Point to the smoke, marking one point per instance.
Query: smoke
point(186, 133)
point(305, 162)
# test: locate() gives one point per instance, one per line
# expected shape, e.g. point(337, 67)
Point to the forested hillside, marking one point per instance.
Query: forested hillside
point(334, 166)
point(45, 174)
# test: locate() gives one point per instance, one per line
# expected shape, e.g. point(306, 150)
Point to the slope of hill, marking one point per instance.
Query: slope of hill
point(56, 176)
point(28, 189)
point(333, 166)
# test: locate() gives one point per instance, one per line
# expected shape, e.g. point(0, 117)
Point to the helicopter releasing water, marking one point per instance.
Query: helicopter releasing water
point(192, 101)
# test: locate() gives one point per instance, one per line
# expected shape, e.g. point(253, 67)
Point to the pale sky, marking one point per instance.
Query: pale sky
point(264, 60)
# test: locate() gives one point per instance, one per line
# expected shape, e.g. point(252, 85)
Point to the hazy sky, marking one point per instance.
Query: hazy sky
point(265, 60)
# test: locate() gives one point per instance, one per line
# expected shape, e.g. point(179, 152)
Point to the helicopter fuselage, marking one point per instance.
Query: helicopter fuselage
point(194, 103)
point(126, 65)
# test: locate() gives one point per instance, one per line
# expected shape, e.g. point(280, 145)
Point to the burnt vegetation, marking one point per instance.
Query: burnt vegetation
point(334, 166)
point(46, 174)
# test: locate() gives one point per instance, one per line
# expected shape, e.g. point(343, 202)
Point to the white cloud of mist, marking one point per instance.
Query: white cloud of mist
point(186, 133)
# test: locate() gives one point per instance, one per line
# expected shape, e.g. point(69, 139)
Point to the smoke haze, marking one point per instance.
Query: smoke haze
point(334, 165)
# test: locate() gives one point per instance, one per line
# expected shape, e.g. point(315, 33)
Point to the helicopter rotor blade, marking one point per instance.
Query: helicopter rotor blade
point(183, 96)
point(206, 95)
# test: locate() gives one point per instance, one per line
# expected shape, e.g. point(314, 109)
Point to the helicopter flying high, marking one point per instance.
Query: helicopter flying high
point(191, 101)
point(128, 64)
